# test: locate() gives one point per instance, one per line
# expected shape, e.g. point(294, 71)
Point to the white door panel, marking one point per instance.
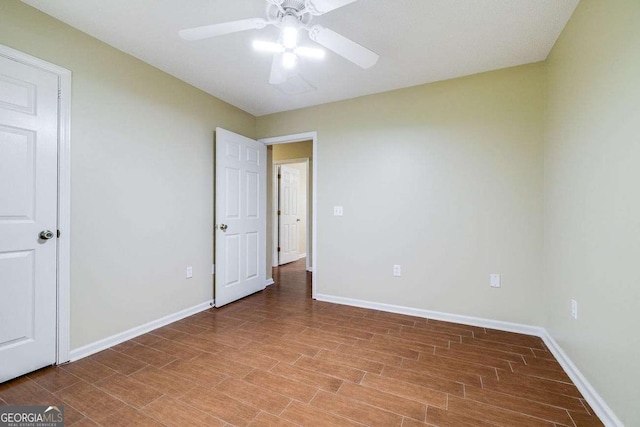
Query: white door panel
point(240, 216)
point(288, 219)
point(231, 271)
point(253, 255)
point(17, 174)
point(253, 195)
point(19, 281)
point(28, 205)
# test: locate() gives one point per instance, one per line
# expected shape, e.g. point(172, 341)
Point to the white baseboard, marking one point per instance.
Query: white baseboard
point(103, 344)
point(269, 282)
point(436, 315)
point(596, 402)
point(302, 256)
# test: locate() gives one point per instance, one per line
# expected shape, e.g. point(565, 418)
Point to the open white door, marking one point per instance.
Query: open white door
point(241, 224)
point(289, 220)
point(28, 217)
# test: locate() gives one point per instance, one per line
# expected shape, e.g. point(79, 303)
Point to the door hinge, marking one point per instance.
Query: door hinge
point(59, 93)
point(279, 176)
point(58, 233)
point(278, 248)
point(278, 211)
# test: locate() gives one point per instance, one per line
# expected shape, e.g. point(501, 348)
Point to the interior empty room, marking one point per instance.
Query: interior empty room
point(320, 212)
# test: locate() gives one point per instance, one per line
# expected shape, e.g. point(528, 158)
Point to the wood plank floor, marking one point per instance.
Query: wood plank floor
point(278, 358)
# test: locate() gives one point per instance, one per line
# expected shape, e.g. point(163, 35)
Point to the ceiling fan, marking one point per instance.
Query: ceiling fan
point(291, 16)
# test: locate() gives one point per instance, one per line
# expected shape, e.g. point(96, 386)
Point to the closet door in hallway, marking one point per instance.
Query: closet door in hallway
point(288, 215)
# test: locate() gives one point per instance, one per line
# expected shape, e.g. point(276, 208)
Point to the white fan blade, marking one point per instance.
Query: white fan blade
point(270, 47)
point(214, 30)
point(343, 46)
point(319, 7)
point(278, 73)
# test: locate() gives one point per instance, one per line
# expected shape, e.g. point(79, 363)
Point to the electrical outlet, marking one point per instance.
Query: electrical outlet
point(337, 211)
point(494, 280)
point(574, 309)
point(397, 271)
point(189, 272)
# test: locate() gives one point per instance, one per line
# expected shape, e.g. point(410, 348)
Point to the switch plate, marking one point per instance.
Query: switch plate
point(337, 211)
point(397, 271)
point(189, 272)
point(494, 280)
point(574, 309)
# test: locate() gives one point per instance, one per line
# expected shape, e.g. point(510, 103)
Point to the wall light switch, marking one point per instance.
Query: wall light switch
point(397, 271)
point(337, 211)
point(189, 272)
point(494, 280)
point(574, 309)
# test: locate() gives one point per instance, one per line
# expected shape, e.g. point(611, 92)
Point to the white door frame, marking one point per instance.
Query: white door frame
point(275, 191)
point(299, 137)
point(63, 242)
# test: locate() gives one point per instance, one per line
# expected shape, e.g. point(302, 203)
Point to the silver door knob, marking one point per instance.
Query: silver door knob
point(223, 227)
point(46, 234)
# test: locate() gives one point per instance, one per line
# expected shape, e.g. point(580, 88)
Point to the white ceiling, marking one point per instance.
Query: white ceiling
point(419, 41)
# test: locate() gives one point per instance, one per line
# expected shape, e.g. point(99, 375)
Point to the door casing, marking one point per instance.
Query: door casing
point(63, 279)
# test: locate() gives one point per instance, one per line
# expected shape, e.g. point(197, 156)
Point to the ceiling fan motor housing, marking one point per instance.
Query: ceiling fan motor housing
point(277, 10)
point(293, 4)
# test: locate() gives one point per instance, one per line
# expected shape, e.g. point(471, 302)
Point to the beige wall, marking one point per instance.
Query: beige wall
point(142, 178)
point(444, 179)
point(294, 150)
point(592, 203)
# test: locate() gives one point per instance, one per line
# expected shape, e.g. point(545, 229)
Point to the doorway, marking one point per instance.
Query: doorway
point(294, 143)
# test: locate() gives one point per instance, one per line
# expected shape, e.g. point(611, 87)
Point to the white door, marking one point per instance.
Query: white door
point(289, 219)
point(28, 206)
point(241, 225)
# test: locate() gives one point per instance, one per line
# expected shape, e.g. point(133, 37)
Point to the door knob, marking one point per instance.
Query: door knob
point(46, 234)
point(223, 227)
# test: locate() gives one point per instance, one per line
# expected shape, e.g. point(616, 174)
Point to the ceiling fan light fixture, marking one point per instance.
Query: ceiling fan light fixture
point(269, 47)
point(289, 60)
point(290, 26)
point(290, 37)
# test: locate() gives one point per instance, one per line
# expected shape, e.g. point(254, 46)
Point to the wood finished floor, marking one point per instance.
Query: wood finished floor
point(278, 358)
